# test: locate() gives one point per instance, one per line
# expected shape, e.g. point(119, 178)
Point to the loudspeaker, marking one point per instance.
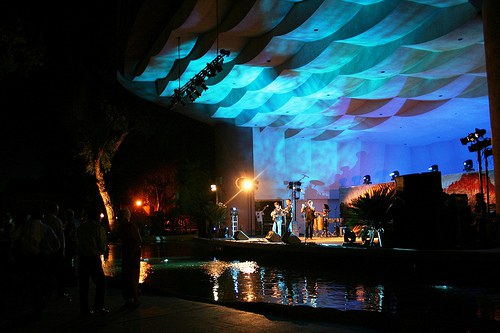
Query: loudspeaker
point(289, 238)
point(240, 235)
point(273, 237)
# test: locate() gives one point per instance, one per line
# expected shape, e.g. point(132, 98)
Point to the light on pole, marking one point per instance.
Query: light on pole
point(214, 188)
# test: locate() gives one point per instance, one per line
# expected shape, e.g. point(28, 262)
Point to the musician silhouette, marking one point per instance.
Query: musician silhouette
point(309, 211)
point(277, 216)
point(288, 215)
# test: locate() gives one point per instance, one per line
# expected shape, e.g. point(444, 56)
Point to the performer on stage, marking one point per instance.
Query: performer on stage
point(326, 212)
point(288, 215)
point(309, 217)
point(277, 215)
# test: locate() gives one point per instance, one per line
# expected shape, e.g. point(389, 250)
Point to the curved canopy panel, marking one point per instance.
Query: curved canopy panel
point(320, 69)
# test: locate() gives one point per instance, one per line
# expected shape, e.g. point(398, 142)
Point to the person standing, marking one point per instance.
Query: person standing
point(308, 210)
point(32, 244)
point(70, 226)
point(91, 244)
point(277, 216)
point(56, 260)
point(288, 210)
point(131, 241)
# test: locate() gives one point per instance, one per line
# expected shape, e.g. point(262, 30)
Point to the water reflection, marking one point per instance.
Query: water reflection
point(111, 265)
point(253, 281)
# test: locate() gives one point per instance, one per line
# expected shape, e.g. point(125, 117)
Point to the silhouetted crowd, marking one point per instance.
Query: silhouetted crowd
point(45, 251)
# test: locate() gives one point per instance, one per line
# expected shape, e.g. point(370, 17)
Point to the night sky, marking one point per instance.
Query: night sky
point(72, 44)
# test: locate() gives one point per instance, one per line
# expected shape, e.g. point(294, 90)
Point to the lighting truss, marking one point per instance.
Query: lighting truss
point(196, 85)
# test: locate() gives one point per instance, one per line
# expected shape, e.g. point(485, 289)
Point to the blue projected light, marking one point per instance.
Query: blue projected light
point(362, 87)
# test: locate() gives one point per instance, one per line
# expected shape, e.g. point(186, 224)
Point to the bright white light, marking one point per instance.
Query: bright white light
point(247, 184)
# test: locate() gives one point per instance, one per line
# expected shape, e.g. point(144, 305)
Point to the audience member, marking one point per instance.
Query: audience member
point(32, 244)
point(128, 233)
point(56, 260)
point(91, 244)
point(70, 225)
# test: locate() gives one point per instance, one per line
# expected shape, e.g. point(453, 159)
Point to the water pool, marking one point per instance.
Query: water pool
point(182, 269)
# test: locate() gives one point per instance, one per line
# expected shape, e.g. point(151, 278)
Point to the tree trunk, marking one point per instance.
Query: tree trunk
point(101, 186)
point(100, 182)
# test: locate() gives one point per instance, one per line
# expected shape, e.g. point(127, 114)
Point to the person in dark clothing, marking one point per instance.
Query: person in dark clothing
point(309, 211)
point(91, 244)
point(56, 281)
point(70, 225)
point(32, 244)
point(131, 241)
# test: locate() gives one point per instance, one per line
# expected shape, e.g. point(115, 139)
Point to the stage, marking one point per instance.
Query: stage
point(464, 264)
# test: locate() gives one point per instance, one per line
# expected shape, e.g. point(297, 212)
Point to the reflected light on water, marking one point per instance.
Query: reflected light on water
point(110, 267)
point(247, 281)
point(216, 268)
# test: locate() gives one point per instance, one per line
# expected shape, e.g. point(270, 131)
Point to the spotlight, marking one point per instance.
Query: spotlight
point(433, 168)
point(473, 137)
point(211, 70)
point(465, 140)
point(367, 179)
point(190, 96)
point(234, 211)
point(480, 133)
point(468, 166)
point(394, 175)
point(218, 67)
point(225, 52)
point(479, 145)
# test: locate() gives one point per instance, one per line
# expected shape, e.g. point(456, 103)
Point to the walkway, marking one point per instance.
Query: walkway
point(161, 314)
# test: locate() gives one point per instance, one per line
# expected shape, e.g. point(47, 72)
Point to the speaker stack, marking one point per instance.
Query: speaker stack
point(240, 235)
point(417, 210)
point(273, 237)
point(289, 238)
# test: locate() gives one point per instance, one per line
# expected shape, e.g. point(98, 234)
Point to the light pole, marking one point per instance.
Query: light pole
point(214, 188)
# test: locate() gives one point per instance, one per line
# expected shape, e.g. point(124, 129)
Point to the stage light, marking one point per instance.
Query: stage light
point(479, 133)
point(473, 137)
point(480, 145)
point(225, 52)
point(234, 211)
point(394, 175)
point(367, 179)
point(190, 88)
point(433, 168)
point(465, 140)
point(247, 184)
point(190, 96)
point(488, 152)
point(211, 70)
point(468, 165)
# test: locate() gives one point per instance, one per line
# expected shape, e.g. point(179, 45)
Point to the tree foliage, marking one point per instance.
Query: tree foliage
point(101, 136)
point(21, 50)
point(373, 206)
